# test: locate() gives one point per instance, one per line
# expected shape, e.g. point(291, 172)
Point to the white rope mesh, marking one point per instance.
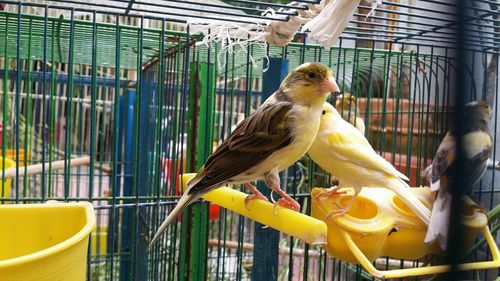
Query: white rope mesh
point(325, 22)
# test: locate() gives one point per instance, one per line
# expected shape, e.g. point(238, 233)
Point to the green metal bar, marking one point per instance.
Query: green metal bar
point(93, 111)
point(368, 131)
point(154, 266)
point(137, 264)
point(202, 91)
point(115, 152)
point(399, 70)
point(17, 98)
point(387, 75)
point(5, 106)
point(69, 106)
point(177, 95)
point(52, 111)
point(28, 117)
point(410, 118)
point(44, 103)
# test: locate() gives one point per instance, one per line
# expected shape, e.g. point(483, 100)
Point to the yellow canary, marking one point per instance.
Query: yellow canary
point(347, 105)
point(343, 151)
point(268, 141)
point(477, 145)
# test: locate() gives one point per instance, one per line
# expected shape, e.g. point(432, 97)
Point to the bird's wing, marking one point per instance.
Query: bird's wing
point(478, 148)
point(254, 139)
point(445, 156)
point(352, 146)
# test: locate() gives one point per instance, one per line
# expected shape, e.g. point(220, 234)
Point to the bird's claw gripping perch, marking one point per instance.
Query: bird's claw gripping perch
point(286, 203)
point(251, 197)
point(256, 194)
point(336, 213)
point(289, 204)
point(330, 192)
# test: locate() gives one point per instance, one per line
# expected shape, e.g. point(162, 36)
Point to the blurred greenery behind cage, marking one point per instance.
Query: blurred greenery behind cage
point(147, 104)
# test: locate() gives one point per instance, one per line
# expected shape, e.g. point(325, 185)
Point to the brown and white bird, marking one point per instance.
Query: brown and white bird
point(267, 142)
point(477, 144)
point(347, 105)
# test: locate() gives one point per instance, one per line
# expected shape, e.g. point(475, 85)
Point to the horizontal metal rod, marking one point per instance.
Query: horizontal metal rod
point(63, 78)
point(38, 168)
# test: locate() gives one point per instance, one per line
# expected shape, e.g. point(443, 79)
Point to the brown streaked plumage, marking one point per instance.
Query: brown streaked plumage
point(268, 141)
point(477, 143)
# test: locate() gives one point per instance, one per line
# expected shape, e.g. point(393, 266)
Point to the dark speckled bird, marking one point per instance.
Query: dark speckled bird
point(477, 145)
point(268, 141)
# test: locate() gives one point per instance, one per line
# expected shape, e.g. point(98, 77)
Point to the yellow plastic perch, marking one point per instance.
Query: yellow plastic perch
point(380, 224)
point(5, 185)
point(45, 242)
point(306, 228)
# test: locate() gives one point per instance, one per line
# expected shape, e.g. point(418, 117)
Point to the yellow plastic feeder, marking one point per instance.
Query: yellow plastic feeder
point(45, 242)
point(380, 224)
point(12, 154)
point(5, 185)
point(301, 226)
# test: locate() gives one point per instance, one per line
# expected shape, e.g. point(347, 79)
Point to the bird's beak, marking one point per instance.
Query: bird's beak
point(329, 85)
point(336, 95)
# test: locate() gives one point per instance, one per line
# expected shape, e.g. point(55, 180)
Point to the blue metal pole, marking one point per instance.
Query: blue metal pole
point(266, 247)
point(126, 130)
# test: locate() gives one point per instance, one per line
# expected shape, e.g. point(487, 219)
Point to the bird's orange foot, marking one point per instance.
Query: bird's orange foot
point(336, 213)
point(289, 204)
point(330, 192)
point(253, 197)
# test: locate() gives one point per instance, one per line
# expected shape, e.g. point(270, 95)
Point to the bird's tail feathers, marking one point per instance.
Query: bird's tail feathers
point(435, 186)
point(185, 200)
point(402, 190)
point(440, 220)
point(425, 173)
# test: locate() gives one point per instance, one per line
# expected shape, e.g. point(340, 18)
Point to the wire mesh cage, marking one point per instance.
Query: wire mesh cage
point(128, 84)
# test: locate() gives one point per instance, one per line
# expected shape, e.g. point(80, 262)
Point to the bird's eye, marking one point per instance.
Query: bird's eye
point(323, 113)
point(311, 75)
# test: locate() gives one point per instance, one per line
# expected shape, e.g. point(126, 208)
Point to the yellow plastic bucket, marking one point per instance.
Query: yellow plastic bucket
point(5, 185)
point(45, 242)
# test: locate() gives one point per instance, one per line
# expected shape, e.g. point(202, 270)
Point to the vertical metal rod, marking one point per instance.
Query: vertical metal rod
point(44, 100)
point(226, 123)
point(52, 109)
point(4, 105)
point(28, 111)
point(141, 169)
point(114, 177)
point(396, 113)
point(69, 121)
point(455, 242)
point(184, 104)
point(387, 79)
point(370, 93)
point(18, 96)
point(93, 112)
point(159, 140)
point(429, 89)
